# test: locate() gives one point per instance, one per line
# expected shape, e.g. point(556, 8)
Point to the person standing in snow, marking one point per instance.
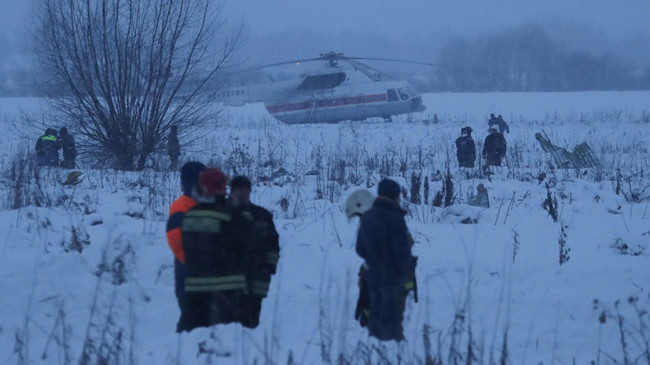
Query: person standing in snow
point(262, 249)
point(465, 148)
point(47, 148)
point(384, 243)
point(215, 251)
point(494, 147)
point(69, 149)
point(173, 147)
point(503, 126)
point(492, 121)
point(356, 204)
point(189, 183)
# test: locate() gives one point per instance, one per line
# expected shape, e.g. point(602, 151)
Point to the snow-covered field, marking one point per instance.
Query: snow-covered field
point(86, 274)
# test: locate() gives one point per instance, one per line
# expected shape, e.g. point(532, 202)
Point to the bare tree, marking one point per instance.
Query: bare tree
point(123, 72)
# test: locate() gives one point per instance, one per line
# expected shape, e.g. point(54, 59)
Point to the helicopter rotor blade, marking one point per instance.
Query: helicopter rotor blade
point(283, 63)
point(441, 66)
point(392, 60)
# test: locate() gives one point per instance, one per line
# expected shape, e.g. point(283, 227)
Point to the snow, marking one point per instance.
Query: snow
point(502, 273)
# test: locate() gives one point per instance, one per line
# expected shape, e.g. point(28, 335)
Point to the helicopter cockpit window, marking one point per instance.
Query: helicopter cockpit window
point(392, 95)
point(411, 91)
point(325, 81)
point(402, 93)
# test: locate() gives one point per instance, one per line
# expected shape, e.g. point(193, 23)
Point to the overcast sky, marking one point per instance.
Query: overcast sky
point(422, 16)
point(286, 29)
point(417, 28)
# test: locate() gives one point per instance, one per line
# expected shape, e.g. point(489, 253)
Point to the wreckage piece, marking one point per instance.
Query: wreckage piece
point(481, 198)
point(581, 157)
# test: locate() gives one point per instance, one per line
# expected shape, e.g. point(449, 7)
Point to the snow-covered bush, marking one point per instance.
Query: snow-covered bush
point(28, 184)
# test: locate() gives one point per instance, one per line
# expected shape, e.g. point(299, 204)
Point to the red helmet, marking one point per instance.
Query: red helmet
point(213, 182)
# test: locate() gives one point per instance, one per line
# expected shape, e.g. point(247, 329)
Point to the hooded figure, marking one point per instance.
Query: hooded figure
point(69, 150)
point(465, 148)
point(494, 147)
point(384, 243)
point(47, 148)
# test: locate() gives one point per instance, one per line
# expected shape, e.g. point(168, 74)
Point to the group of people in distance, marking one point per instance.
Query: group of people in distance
point(494, 146)
point(225, 249)
point(48, 146)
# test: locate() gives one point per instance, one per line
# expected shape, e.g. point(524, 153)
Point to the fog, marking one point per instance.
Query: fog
point(417, 30)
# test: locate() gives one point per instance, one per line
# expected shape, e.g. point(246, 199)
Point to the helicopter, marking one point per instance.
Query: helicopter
point(344, 89)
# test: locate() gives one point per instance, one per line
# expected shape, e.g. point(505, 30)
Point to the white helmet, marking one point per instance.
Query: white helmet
point(358, 203)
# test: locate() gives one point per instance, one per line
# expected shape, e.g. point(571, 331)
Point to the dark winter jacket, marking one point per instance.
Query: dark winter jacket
point(265, 249)
point(494, 149)
point(383, 242)
point(69, 149)
point(465, 151)
point(215, 276)
point(260, 259)
point(47, 148)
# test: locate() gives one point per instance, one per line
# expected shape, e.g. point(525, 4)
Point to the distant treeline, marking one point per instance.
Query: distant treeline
point(521, 59)
point(526, 59)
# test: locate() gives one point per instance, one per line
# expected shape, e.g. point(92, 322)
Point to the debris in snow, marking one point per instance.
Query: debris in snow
point(629, 245)
point(481, 199)
point(463, 214)
point(581, 157)
point(73, 179)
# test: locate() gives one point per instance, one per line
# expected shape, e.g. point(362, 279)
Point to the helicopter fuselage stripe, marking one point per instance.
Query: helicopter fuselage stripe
point(326, 103)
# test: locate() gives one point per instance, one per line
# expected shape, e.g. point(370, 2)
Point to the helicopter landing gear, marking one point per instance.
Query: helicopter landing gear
point(388, 119)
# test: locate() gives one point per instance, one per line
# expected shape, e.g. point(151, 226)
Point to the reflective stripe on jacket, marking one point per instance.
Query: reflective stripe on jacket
point(212, 249)
point(215, 283)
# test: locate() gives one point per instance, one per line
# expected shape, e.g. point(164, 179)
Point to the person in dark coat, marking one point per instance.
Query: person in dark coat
point(494, 147)
point(69, 149)
point(383, 242)
point(173, 147)
point(465, 148)
point(503, 126)
point(262, 250)
point(215, 276)
point(47, 148)
point(356, 204)
point(492, 121)
point(190, 185)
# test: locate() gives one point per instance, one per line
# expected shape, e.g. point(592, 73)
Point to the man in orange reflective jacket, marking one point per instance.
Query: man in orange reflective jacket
point(189, 182)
